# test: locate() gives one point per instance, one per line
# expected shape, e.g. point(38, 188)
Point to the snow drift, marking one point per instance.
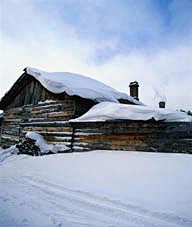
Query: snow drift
point(35, 145)
point(75, 84)
point(43, 146)
point(97, 189)
point(113, 111)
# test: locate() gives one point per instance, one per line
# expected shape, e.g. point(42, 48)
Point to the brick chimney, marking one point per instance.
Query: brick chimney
point(162, 104)
point(134, 89)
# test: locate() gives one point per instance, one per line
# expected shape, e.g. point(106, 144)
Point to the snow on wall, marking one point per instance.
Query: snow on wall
point(111, 111)
point(42, 144)
point(1, 113)
point(75, 84)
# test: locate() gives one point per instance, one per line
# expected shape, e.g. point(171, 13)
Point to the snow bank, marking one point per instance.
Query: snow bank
point(6, 153)
point(75, 84)
point(98, 189)
point(43, 146)
point(111, 111)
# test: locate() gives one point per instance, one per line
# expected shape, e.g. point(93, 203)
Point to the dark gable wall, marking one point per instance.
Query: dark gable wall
point(23, 113)
point(29, 91)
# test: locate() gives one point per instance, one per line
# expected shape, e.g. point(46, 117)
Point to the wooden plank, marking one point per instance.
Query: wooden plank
point(9, 137)
point(48, 129)
point(60, 114)
point(12, 121)
point(45, 124)
point(65, 134)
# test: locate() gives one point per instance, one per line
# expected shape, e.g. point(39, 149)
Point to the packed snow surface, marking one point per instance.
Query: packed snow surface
point(100, 188)
point(75, 84)
point(42, 144)
point(112, 111)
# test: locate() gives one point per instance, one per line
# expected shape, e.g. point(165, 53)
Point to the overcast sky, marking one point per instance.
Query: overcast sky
point(114, 41)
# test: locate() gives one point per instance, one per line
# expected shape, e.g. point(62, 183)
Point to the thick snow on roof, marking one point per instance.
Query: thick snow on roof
point(75, 84)
point(111, 111)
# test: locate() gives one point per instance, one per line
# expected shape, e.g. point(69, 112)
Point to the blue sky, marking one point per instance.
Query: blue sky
point(113, 41)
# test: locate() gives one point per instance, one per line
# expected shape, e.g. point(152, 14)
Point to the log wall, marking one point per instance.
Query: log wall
point(133, 135)
point(51, 121)
point(48, 119)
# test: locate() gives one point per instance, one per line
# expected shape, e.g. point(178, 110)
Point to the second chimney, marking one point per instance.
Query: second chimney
point(161, 104)
point(134, 90)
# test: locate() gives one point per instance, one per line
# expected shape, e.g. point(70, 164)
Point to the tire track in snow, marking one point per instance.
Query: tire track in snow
point(115, 213)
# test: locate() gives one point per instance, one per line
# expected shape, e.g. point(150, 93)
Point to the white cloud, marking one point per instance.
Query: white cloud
point(32, 37)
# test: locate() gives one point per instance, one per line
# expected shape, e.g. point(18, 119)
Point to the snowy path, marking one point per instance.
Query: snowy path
point(35, 197)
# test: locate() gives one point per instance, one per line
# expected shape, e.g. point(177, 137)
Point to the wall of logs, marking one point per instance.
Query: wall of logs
point(51, 120)
point(133, 135)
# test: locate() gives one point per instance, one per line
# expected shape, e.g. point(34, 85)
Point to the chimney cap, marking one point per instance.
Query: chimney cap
point(134, 83)
point(162, 104)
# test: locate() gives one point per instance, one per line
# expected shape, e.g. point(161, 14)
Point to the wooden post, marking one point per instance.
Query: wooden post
point(1, 131)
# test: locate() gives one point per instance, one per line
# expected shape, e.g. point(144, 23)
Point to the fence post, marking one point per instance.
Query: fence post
point(72, 136)
point(1, 131)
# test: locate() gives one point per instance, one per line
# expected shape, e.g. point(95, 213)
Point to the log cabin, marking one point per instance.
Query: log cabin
point(44, 102)
point(48, 103)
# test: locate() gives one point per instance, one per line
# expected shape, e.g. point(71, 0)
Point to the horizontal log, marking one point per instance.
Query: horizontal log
point(52, 110)
point(57, 139)
point(68, 144)
point(12, 116)
point(154, 133)
point(62, 138)
point(48, 129)
point(65, 134)
point(48, 119)
point(11, 121)
point(112, 143)
point(8, 137)
point(13, 110)
point(46, 124)
point(113, 137)
point(53, 102)
point(82, 144)
point(60, 114)
point(133, 124)
point(11, 132)
point(80, 149)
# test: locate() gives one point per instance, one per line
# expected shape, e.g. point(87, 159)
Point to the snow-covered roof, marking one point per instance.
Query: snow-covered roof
point(113, 111)
point(75, 84)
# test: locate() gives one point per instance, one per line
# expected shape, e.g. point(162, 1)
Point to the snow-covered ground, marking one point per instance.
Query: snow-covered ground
point(100, 188)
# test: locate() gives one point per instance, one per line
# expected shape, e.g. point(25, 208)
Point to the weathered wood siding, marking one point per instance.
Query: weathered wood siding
point(31, 93)
point(48, 119)
point(24, 112)
point(51, 121)
point(133, 135)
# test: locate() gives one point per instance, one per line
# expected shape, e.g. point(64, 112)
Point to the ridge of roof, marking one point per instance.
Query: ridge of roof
point(76, 84)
